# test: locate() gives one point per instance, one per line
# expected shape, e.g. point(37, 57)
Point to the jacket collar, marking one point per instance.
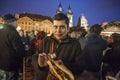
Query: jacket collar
point(65, 40)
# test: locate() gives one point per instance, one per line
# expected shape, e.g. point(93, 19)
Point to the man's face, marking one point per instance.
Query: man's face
point(110, 39)
point(60, 29)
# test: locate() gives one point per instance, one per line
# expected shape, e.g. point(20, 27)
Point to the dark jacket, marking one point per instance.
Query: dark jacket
point(92, 53)
point(11, 48)
point(112, 59)
point(67, 50)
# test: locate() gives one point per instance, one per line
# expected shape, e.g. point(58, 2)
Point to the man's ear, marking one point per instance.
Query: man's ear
point(52, 30)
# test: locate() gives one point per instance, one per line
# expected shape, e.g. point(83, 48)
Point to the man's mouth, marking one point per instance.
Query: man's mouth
point(59, 35)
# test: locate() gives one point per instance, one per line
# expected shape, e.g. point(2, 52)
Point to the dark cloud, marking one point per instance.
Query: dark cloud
point(105, 5)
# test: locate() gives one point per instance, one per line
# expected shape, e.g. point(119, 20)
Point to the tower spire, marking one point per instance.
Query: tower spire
point(60, 5)
point(70, 16)
point(59, 10)
point(69, 10)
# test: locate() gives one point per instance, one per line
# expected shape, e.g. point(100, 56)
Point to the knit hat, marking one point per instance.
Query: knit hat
point(9, 18)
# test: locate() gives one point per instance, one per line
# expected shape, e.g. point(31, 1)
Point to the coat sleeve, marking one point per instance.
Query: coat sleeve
point(73, 65)
point(17, 44)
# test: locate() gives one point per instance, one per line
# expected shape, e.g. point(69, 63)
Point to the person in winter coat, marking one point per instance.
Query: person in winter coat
point(12, 49)
point(93, 52)
point(112, 56)
point(60, 47)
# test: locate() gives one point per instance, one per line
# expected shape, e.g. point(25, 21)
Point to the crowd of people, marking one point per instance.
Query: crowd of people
point(59, 56)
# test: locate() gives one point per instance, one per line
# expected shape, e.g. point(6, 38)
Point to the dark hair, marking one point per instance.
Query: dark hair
point(9, 18)
point(96, 28)
point(116, 42)
point(61, 16)
point(116, 37)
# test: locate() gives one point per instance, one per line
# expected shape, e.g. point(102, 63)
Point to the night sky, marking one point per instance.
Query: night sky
point(96, 11)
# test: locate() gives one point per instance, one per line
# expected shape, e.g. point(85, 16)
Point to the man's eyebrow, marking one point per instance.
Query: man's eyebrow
point(62, 26)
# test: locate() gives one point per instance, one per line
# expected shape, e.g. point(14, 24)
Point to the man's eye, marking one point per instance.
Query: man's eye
point(55, 26)
point(62, 27)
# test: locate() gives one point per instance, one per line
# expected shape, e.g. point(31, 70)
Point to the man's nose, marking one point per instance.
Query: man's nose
point(58, 29)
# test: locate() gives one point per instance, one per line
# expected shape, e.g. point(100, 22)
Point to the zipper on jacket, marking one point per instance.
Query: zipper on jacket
point(57, 45)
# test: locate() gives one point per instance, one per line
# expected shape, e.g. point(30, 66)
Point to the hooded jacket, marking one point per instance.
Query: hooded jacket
point(93, 52)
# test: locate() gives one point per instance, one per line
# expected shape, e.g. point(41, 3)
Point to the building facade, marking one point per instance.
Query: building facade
point(110, 28)
point(29, 22)
point(1, 20)
point(83, 22)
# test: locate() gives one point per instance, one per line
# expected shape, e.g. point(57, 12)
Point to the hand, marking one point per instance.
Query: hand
point(42, 60)
point(110, 78)
point(59, 62)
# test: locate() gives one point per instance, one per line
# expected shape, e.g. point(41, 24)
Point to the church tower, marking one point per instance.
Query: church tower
point(70, 16)
point(60, 10)
point(83, 22)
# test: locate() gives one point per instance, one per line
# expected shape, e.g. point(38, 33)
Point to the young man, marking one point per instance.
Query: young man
point(11, 48)
point(60, 47)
